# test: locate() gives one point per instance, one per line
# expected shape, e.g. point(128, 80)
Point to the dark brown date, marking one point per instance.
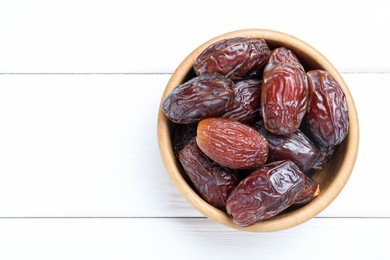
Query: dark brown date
point(283, 55)
point(204, 96)
point(309, 191)
point(326, 154)
point(234, 58)
point(295, 147)
point(212, 181)
point(231, 143)
point(327, 114)
point(265, 193)
point(182, 134)
point(283, 98)
point(246, 105)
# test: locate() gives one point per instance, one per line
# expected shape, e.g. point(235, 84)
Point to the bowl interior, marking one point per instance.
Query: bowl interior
point(332, 179)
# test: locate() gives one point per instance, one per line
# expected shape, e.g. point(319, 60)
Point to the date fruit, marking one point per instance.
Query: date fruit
point(249, 126)
point(309, 191)
point(326, 153)
point(327, 115)
point(234, 58)
point(246, 105)
point(231, 143)
point(283, 55)
point(265, 193)
point(284, 94)
point(295, 147)
point(182, 134)
point(204, 96)
point(212, 181)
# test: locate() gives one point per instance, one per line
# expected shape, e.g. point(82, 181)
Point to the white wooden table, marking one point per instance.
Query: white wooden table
point(80, 171)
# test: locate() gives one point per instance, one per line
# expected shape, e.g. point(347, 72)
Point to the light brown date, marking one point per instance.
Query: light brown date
point(231, 143)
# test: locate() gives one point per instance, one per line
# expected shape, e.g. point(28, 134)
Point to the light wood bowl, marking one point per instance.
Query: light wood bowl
point(332, 179)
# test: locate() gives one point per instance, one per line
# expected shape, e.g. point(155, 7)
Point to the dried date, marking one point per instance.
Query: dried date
point(326, 154)
point(308, 192)
point(283, 55)
point(295, 147)
point(231, 143)
point(182, 134)
point(234, 58)
point(265, 193)
point(204, 96)
point(212, 181)
point(283, 98)
point(327, 115)
point(246, 105)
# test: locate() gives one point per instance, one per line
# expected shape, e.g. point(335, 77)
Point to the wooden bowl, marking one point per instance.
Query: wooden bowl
point(332, 179)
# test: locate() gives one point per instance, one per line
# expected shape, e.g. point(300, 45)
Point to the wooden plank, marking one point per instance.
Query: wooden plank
point(86, 145)
point(148, 36)
point(190, 239)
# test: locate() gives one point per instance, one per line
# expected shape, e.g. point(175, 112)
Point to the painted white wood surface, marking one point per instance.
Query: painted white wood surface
point(154, 36)
point(86, 145)
point(80, 239)
point(82, 142)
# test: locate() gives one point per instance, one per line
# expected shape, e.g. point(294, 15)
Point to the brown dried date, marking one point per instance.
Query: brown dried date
point(308, 192)
point(246, 105)
point(326, 153)
point(204, 96)
point(283, 55)
point(295, 147)
point(265, 193)
point(182, 134)
point(283, 98)
point(212, 181)
point(234, 58)
point(327, 115)
point(231, 143)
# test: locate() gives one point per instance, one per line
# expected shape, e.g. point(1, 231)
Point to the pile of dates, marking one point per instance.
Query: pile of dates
point(252, 127)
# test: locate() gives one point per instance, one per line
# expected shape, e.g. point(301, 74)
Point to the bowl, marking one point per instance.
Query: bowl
point(332, 178)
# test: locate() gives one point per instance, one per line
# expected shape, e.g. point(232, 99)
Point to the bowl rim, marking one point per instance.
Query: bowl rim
point(297, 216)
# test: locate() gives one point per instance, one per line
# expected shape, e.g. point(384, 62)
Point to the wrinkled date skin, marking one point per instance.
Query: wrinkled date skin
point(204, 96)
point(246, 105)
point(212, 181)
point(327, 115)
point(283, 55)
point(234, 58)
point(295, 147)
point(308, 192)
point(231, 143)
point(326, 154)
point(182, 134)
point(265, 193)
point(283, 98)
